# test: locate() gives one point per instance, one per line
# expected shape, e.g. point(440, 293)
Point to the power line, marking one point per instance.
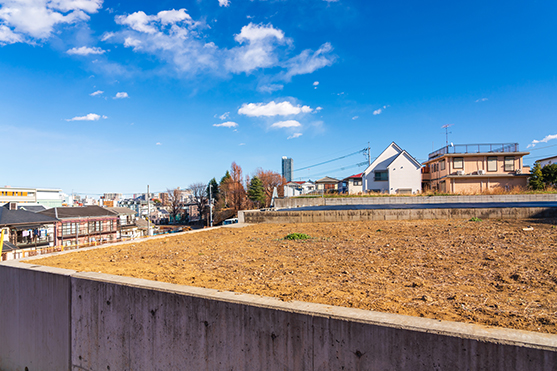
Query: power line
point(360, 164)
point(335, 159)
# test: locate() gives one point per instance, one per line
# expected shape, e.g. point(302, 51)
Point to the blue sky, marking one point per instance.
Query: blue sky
point(100, 96)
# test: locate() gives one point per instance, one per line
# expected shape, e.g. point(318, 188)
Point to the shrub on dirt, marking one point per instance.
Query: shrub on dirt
point(297, 236)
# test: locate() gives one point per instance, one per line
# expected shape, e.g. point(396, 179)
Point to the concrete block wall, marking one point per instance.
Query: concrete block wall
point(289, 203)
point(319, 216)
point(118, 323)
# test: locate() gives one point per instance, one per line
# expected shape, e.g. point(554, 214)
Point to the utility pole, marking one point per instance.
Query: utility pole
point(149, 232)
point(211, 203)
point(368, 154)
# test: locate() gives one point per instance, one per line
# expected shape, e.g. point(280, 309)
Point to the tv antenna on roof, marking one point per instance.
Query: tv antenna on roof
point(447, 132)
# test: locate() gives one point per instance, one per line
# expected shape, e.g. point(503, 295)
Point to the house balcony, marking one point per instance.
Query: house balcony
point(474, 148)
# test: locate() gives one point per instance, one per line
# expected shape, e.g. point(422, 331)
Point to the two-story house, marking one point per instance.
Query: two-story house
point(463, 168)
point(394, 171)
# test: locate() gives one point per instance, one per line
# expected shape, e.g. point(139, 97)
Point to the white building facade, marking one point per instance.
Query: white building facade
point(394, 171)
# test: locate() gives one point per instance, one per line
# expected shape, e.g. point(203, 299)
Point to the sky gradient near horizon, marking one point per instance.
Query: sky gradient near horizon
point(101, 96)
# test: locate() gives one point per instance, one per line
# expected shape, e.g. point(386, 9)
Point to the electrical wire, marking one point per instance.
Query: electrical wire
point(328, 161)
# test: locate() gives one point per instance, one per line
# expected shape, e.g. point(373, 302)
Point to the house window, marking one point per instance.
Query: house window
point(357, 183)
point(509, 163)
point(458, 162)
point(442, 164)
point(381, 176)
point(492, 164)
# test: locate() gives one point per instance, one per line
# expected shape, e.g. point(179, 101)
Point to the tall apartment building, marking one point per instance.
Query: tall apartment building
point(287, 165)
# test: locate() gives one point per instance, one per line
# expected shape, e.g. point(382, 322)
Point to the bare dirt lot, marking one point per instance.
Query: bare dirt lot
point(487, 272)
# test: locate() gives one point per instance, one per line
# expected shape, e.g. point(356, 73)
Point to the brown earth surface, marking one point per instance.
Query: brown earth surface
point(489, 272)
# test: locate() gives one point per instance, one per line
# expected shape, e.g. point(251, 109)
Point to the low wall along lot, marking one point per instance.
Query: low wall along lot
point(57, 319)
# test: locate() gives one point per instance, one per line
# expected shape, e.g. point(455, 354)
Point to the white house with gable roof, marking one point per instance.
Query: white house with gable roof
point(394, 171)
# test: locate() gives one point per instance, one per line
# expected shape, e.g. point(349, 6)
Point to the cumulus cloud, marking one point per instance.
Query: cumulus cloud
point(272, 109)
point(481, 100)
point(158, 144)
point(121, 95)
point(378, 111)
point(355, 117)
point(258, 49)
point(286, 124)
point(295, 135)
point(98, 92)
point(173, 36)
point(224, 3)
point(89, 117)
point(28, 20)
point(544, 140)
point(85, 50)
point(228, 124)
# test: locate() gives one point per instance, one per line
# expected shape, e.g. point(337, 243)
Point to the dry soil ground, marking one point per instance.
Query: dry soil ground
point(488, 272)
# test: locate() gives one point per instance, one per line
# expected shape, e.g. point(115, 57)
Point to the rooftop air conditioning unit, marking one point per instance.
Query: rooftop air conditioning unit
point(481, 172)
point(460, 172)
point(519, 171)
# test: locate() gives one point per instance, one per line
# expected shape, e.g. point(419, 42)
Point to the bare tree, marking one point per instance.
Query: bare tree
point(270, 180)
point(199, 193)
point(176, 204)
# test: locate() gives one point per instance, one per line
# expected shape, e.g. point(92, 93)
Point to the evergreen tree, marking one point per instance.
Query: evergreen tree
point(549, 173)
point(535, 181)
point(256, 192)
point(214, 187)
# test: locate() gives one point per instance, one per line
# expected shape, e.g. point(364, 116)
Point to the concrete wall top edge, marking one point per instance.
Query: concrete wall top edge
point(463, 330)
point(41, 268)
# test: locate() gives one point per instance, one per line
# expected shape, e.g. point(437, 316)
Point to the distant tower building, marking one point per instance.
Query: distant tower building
point(287, 164)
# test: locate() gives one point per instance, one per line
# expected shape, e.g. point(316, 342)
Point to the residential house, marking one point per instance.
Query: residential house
point(352, 185)
point(25, 229)
point(83, 225)
point(298, 188)
point(462, 168)
point(127, 223)
point(326, 184)
point(547, 161)
point(394, 171)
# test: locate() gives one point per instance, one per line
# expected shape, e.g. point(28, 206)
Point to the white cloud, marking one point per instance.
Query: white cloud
point(98, 92)
point(258, 50)
point(8, 37)
point(242, 144)
point(224, 116)
point(121, 95)
point(308, 61)
point(158, 144)
point(89, 117)
point(355, 117)
point(378, 111)
point(36, 19)
point(175, 37)
point(316, 83)
point(481, 100)
point(228, 124)
point(224, 3)
point(295, 135)
point(85, 50)
point(107, 36)
point(544, 140)
point(272, 109)
point(286, 124)
point(318, 109)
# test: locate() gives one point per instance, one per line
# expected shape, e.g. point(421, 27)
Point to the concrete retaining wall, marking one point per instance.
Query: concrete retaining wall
point(318, 216)
point(120, 323)
point(288, 203)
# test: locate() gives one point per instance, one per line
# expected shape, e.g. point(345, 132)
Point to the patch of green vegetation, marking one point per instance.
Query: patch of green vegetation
point(297, 236)
point(475, 219)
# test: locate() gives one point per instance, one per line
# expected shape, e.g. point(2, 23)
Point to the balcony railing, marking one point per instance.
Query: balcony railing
point(475, 148)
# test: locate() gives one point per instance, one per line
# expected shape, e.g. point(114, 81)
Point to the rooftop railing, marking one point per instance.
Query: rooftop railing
point(475, 148)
